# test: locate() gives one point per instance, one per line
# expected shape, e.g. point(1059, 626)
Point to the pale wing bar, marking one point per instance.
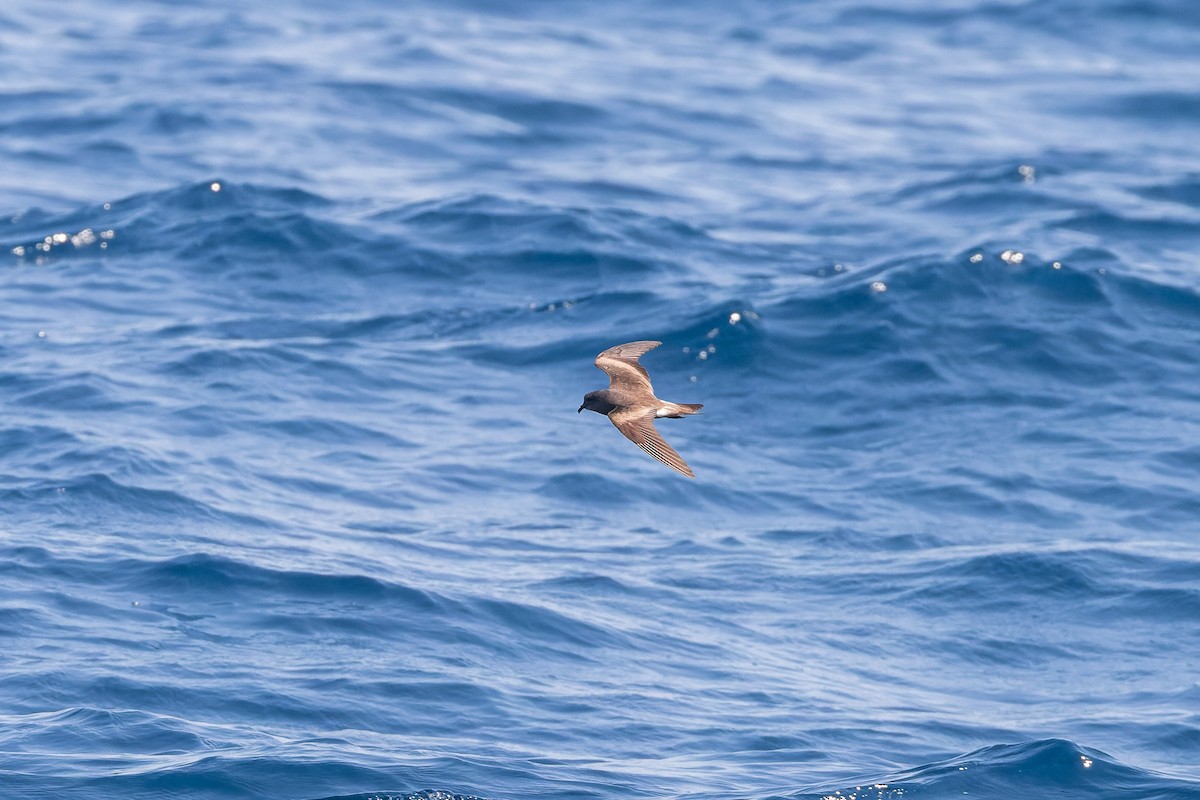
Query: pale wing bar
point(621, 365)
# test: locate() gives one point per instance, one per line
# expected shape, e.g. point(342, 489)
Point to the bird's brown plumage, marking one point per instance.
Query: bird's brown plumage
point(638, 426)
point(621, 365)
point(631, 406)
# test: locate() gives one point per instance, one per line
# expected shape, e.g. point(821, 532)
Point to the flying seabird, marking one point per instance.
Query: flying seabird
point(630, 403)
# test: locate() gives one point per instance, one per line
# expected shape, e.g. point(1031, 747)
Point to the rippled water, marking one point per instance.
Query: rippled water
point(300, 302)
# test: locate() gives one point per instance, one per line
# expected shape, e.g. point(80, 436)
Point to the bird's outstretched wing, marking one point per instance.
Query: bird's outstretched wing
point(637, 424)
point(621, 365)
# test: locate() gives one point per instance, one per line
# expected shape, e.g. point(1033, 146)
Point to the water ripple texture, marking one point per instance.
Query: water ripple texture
point(300, 302)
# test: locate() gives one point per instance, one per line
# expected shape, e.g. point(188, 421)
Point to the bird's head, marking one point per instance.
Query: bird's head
point(596, 401)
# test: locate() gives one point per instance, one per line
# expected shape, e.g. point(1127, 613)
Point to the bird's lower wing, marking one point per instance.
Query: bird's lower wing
point(639, 428)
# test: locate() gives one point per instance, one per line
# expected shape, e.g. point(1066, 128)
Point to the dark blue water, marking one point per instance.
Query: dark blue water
point(300, 299)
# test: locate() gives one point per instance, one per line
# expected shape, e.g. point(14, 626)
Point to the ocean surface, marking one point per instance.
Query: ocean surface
point(298, 301)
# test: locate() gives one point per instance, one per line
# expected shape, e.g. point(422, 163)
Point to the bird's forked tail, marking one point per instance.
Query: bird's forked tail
point(677, 410)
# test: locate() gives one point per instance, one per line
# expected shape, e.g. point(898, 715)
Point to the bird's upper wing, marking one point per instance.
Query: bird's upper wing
point(638, 427)
point(621, 365)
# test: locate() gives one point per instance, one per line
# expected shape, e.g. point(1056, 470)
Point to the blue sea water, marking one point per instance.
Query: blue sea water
point(300, 299)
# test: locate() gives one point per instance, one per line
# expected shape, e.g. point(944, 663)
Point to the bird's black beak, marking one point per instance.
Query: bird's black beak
point(580, 409)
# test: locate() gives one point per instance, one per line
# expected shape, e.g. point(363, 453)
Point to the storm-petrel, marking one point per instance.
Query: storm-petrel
point(630, 403)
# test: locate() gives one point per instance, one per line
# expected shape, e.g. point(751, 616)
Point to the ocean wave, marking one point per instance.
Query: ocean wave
point(299, 308)
point(1016, 770)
